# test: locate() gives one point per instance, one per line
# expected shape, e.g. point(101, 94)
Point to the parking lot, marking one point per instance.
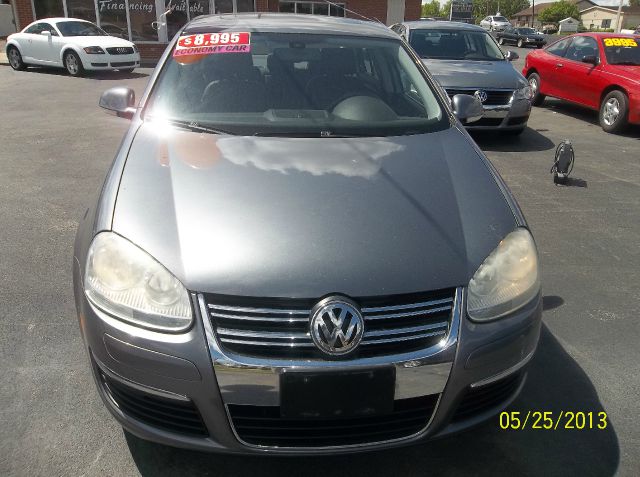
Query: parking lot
point(56, 145)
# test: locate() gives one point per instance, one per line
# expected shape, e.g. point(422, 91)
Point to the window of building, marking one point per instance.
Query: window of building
point(606, 23)
point(133, 19)
point(312, 8)
point(142, 13)
point(48, 8)
point(85, 9)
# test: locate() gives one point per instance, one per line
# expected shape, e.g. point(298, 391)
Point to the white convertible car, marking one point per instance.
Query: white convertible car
point(74, 44)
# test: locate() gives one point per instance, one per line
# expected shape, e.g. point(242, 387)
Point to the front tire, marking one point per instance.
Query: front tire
point(614, 112)
point(73, 64)
point(15, 58)
point(537, 98)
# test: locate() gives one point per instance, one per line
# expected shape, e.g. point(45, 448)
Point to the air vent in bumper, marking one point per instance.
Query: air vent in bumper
point(263, 426)
point(172, 415)
point(482, 399)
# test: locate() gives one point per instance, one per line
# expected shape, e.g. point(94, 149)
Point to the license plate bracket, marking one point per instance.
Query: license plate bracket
point(327, 395)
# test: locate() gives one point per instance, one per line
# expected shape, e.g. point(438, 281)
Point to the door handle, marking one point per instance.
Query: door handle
point(559, 65)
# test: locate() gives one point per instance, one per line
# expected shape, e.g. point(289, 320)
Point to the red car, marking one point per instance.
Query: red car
point(599, 71)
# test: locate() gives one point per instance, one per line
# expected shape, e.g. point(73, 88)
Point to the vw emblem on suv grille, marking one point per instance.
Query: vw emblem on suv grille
point(336, 326)
point(481, 95)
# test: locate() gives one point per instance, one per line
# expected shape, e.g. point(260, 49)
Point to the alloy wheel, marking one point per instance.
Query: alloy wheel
point(14, 58)
point(72, 64)
point(611, 111)
point(533, 82)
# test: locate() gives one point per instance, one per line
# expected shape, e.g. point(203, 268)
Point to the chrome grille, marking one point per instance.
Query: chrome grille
point(495, 97)
point(280, 328)
point(120, 50)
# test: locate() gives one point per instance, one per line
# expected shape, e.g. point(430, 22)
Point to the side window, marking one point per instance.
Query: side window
point(35, 29)
point(582, 46)
point(559, 48)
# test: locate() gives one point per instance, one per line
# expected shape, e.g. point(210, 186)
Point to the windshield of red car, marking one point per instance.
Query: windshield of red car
point(72, 28)
point(448, 44)
point(622, 51)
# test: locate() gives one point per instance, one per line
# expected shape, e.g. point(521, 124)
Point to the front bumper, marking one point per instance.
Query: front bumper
point(191, 368)
point(511, 116)
point(110, 62)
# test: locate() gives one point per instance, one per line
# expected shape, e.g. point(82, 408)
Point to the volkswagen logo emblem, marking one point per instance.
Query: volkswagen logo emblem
point(336, 326)
point(481, 95)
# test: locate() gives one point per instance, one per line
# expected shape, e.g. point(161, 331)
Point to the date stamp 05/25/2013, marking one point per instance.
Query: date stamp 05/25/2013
point(553, 420)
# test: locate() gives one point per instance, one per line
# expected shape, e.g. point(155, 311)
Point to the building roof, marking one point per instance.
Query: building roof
point(543, 6)
point(289, 23)
point(635, 10)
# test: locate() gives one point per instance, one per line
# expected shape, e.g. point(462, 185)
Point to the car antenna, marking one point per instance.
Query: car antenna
point(374, 19)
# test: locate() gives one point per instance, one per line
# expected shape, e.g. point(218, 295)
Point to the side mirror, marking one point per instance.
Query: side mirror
point(45, 33)
point(155, 26)
point(591, 59)
point(119, 101)
point(467, 108)
point(512, 55)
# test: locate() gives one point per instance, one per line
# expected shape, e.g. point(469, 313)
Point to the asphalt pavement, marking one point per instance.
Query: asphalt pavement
point(55, 147)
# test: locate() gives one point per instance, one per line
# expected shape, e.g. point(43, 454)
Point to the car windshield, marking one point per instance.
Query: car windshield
point(297, 85)
point(455, 45)
point(500, 19)
point(622, 51)
point(526, 31)
point(72, 28)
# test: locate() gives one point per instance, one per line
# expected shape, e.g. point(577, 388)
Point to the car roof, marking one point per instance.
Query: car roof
point(440, 25)
point(289, 23)
point(60, 19)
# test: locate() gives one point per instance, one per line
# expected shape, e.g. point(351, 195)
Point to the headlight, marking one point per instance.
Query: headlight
point(523, 93)
point(135, 49)
point(94, 50)
point(506, 280)
point(129, 284)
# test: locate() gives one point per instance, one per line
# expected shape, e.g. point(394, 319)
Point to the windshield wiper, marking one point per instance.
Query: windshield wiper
point(194, 126)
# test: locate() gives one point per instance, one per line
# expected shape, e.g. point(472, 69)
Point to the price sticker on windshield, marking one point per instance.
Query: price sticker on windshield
point(626, 42)
point(212, 43)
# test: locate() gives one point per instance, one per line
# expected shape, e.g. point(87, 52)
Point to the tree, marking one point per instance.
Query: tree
point(431, 9)
point(445, 11)
point(559, 11)
point(634, 3)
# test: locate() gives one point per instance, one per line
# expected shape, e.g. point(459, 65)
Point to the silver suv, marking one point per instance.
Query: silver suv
point(298, 249)
point(467, 60)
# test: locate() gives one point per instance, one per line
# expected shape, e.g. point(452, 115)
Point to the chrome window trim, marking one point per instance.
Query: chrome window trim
point(505, 373)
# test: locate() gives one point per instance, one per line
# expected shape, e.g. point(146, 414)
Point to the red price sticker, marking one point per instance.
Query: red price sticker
point(211, 43)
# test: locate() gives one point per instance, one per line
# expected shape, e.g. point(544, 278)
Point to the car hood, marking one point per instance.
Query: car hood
point(102, 41)
point(302, 217)
point(475, 74)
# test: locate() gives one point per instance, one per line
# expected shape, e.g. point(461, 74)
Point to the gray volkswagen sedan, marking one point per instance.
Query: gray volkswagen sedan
point(299, 249)
point(465, 59)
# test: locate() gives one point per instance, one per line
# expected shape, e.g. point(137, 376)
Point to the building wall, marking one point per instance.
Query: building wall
point(595, 17)
point(373, 9)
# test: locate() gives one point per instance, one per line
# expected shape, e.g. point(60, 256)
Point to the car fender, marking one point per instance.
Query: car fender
point(16, 43)
point(70, 46)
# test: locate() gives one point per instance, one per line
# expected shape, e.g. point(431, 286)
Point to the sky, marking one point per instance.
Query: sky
point(599, 2)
